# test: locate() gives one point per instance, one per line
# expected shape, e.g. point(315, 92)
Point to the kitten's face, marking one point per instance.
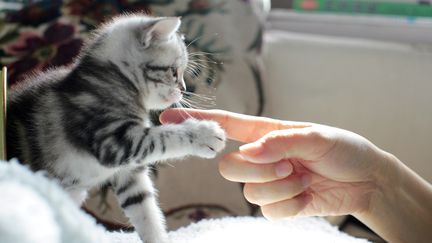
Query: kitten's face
point(164, 74)
point(151, 53)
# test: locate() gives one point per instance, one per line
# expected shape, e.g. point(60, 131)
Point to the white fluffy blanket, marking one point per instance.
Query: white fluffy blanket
point(34, 209)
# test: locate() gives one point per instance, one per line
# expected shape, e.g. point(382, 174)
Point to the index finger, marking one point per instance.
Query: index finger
point(243, 128)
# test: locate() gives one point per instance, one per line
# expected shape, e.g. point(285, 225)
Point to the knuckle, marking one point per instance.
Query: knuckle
point(276, 137)
point(218, 111)
point(315, 135)
point(273, 135)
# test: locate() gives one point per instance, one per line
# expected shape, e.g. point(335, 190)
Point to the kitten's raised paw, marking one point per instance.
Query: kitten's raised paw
point(206, 137)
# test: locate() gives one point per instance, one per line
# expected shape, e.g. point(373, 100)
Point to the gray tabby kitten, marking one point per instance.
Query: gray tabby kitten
point(89, 124)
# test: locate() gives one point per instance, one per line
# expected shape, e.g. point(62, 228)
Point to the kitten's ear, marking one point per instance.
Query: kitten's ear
point(163, 29)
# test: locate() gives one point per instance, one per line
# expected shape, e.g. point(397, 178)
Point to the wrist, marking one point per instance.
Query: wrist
point(398, 208)
point(385, 181)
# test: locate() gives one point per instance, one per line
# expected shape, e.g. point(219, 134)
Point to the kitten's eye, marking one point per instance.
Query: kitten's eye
point(174, 72)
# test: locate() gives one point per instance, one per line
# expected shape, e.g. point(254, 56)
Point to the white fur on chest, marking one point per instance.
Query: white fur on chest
point(85, 169)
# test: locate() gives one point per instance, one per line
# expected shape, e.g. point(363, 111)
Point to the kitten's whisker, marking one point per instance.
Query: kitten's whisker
point(183, 116)
point(191, 72)
point(184, 104)
point(206, 60)
point(200, 104)
point(197, 105)
point(188, 104)
point(199, 66)
point(196, 64)
point(194, 40)
point(194, 72)
point(190, 116)
point(196, 59)
point(202, 62)
point(187, 114)
point(203, 53)
point(200, 96)
point(195, 94)
point(208, 57)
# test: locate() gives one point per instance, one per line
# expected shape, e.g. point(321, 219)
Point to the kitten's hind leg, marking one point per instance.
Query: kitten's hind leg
point(137, 197)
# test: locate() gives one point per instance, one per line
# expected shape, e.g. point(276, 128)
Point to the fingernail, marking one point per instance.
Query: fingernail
point(306, 180)
point(251, 149)
point(283, 169)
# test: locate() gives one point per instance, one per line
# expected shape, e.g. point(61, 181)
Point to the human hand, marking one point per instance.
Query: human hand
point(294, 168)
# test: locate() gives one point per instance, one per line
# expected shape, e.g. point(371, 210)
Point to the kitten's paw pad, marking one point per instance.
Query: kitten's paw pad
point(206, 136)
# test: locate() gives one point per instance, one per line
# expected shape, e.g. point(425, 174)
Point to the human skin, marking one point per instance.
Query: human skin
point(305, 169)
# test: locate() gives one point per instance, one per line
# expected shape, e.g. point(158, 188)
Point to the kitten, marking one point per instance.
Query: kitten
point(89, 124)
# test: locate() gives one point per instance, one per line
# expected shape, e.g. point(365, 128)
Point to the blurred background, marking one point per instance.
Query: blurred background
point(361, 65)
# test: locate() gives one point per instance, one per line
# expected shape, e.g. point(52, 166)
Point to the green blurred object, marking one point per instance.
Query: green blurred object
point(391, 8)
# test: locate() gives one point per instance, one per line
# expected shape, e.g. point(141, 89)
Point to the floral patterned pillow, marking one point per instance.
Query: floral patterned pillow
point(225, 38)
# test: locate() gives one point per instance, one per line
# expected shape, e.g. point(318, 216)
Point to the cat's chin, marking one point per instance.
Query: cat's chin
point(160, 106)
point(163, 104)
point(173, 98)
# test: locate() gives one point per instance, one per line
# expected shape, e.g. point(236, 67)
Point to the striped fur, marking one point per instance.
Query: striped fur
point(89, 124)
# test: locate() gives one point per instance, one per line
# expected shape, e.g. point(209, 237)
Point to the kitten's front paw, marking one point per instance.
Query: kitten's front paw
point(206, 137)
